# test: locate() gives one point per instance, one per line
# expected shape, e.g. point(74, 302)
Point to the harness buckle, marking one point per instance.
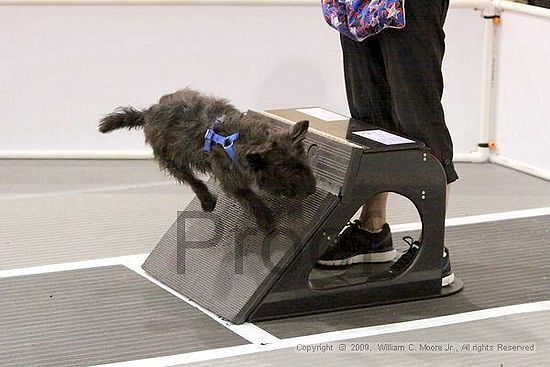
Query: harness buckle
point(226, 142)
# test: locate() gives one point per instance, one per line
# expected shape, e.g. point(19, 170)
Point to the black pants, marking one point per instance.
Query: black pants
point(394, 79)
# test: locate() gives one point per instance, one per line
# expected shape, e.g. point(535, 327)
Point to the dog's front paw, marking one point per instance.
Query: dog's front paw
point(209, 204)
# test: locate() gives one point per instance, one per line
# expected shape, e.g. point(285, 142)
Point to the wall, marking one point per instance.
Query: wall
point(63, 67)
point(523, 97)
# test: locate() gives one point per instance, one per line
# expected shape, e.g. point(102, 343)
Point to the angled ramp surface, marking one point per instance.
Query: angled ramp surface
point(223, 262)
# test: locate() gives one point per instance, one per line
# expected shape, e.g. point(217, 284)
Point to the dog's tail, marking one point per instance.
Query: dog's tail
point(123, 117)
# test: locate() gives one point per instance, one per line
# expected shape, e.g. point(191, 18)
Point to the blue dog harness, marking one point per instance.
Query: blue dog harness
point(226, 142)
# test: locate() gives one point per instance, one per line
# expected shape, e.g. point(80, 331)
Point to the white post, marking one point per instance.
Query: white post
point(482, 153)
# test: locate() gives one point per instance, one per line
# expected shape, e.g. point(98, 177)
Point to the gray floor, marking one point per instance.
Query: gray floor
point(501, 263)
point(100, 315)
point(482, 189)
point(525, 328)
point(61, 211)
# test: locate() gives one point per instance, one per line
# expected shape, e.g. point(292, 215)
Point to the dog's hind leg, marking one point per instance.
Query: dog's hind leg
point(185, 175)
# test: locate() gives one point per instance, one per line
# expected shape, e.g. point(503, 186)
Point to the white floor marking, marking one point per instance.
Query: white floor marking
point(204, 355)
point(86, 191)
point(248, 331)
point(120, 260)
point(213, 354)
point(419, 324)
point(476, 219)
point(131, 259)
point(261, 339)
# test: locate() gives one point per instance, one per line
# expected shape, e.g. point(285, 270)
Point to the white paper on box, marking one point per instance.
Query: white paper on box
point(323, 114)
point(383, 137)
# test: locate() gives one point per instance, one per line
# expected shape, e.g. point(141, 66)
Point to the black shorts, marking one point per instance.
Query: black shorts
point(394, 79)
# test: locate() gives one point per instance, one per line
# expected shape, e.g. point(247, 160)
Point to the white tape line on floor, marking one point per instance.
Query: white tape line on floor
point(131, 259)
point(248, 331)
point(86, 191)
point(209, 355)
point(72, 265)
point(476, 219)
point(259, 336)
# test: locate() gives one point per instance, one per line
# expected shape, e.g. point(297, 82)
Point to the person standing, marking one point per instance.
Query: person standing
point(394, 80)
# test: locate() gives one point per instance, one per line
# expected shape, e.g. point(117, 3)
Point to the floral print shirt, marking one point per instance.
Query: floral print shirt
point(359, 19)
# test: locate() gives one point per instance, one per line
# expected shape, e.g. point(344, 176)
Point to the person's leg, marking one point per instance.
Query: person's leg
point(369, 100)
point(373, 213)
point(368, 92)
point(413, 57)
point(394, 80)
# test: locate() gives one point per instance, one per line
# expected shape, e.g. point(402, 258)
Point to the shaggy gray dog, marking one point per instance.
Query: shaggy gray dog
point(274, 162)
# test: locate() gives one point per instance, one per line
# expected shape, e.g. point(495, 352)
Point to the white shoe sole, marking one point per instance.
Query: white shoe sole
point(376, 257)
point(448, 280)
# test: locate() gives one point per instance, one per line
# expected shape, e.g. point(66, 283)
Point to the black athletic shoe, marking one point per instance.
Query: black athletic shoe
point(356, 245)
point(407, 258)
point(447, 277)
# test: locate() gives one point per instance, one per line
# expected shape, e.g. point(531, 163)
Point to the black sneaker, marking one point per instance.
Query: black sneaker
point(405, 260)
point(356, 245)
point(447, 276)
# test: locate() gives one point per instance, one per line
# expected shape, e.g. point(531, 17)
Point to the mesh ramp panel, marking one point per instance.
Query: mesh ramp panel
point(225, 264)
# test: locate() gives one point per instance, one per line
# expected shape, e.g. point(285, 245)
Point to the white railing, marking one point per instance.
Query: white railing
point(472, 4)
point(537, 11)
point(454, 3)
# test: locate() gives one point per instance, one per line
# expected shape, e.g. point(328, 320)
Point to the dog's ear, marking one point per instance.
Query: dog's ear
point(299, 131)
point(256, 161)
